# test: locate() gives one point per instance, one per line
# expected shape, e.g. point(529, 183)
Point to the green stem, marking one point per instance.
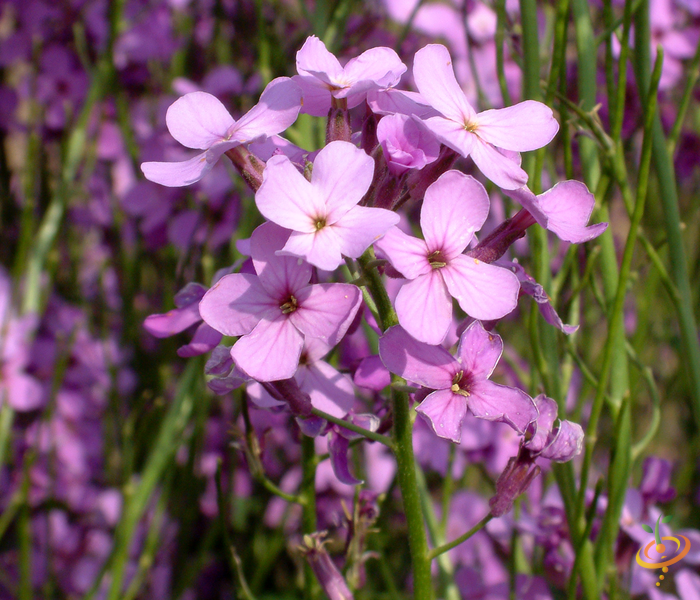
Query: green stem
point(370, 435)
point(307, 491)
point(435, 552)
point(668, 197)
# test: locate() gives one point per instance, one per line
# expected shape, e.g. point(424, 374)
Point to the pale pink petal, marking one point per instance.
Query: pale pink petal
point(314, 58)
point(338, 449)
point(407, 254)
point(315, 349)
point(424, 308)
point(567, 442)
point(287, 198)
point(279, 275)
point(341, 175)
point(372, 374)
point(452, 134)
point(321, 248)
point(375, 68)
point(454, 208)
point(316, 95)
point(271, 351)
point(526, 126)
point(276, 110)
point(503, 171)
point(326, 310)
point(24, 393)
point(391, 101)
point(172, 322)
point(495, 402)
point(479, 350)
point(330, 391)
point(361, 226)
point(529, 202)
point(424, 364)
point(568, 206)
point(484, 291)
point(445, 412)
point(198, 120)
point(436, 82)
point(547, 409)
point(177, 174)
point(235, 304)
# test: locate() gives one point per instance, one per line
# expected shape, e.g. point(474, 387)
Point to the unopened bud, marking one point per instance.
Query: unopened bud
point(328, 575)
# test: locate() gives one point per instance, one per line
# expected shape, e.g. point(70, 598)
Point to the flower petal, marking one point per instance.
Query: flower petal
point(568, 206)
point(361, 226)
point(452, 134)
point(500, 169)
point(326, 310)
point(436, 82)
point(486, 292)
point(279, 275)
point(314, 58)
point(177, 174)
point(235, 304)
point(341, 175)
point(287, 198)
point(454, 208)
point(198, 120)
point(204, 339)
point(430, 366)
point(271, 351)
point(407, 254)
point(479, 350)
point(330, 391)
point(424, 308)
point(526, 126)
point(315, 94)
point(495, 402)
point(338, 448)
point(276, 110)
point(445, 412)
point(172, 322)
point(23, 392)
point(320, 248)
point(567, 442)
point(375, 68)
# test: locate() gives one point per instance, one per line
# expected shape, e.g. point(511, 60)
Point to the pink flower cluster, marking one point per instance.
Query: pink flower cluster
point(326, 208)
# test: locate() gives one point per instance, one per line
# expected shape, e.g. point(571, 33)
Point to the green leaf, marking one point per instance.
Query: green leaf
point(647, 528)
point(667, 518)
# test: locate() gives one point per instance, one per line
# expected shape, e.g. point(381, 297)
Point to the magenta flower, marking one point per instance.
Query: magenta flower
point(488, 137)
point(321, 76)
point(459, 383)
point(199, 120)
point(455, 206)
point(276, 309)
point(323, 215)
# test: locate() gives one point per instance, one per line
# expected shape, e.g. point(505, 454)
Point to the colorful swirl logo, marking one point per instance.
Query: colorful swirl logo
point(679, 552)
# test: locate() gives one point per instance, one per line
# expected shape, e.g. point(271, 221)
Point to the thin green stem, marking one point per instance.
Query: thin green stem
point(307, 491)
point(370, 435)
point(435, 552)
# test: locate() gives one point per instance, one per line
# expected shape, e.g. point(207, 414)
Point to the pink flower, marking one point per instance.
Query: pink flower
point(199, 120)
point(490, 137)
point(323, 215)
point(407, 143)
point(321, 76)
point(276, 309)
point(454, 208)
point(459, 383)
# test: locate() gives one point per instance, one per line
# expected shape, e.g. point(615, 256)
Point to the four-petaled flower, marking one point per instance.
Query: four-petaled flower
point(459, 383)
point(274, 311)
point(484, 136)
point(322, 77)
point(455, 207)
point(199, 120)
point(323, 215)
